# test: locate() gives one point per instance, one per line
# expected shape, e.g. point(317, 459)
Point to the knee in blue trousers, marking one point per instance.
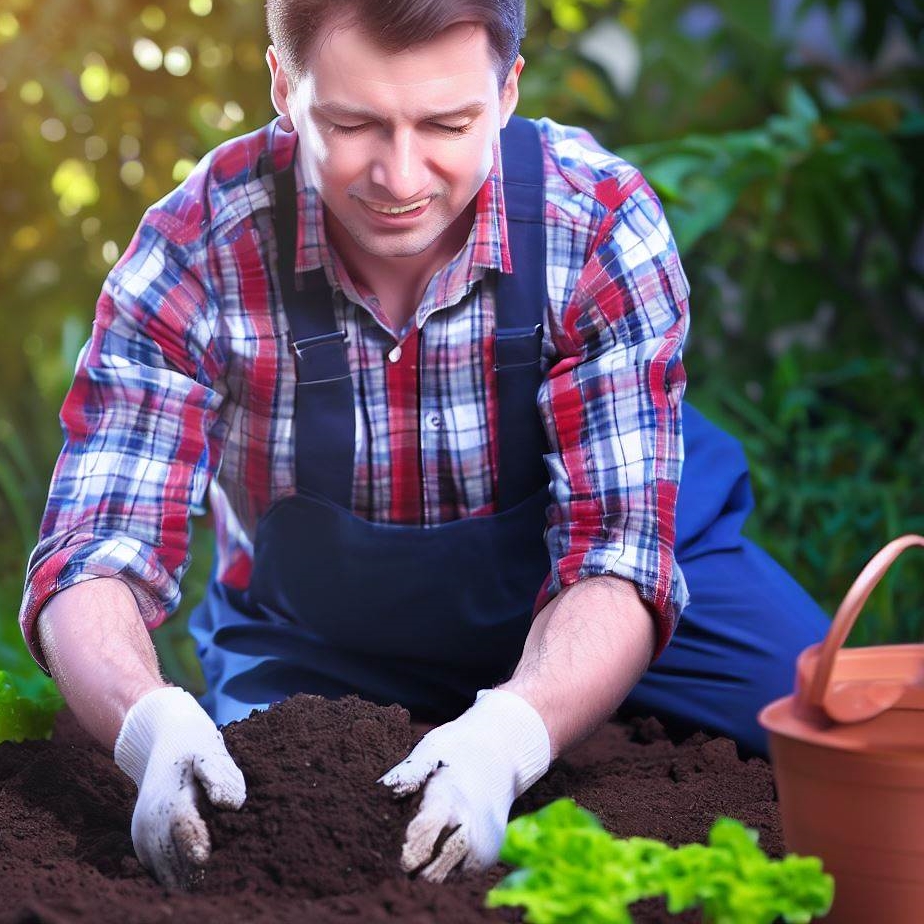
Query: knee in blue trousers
point(736, 645)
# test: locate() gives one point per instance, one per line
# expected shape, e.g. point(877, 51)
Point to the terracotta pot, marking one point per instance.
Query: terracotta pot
point(848, 756)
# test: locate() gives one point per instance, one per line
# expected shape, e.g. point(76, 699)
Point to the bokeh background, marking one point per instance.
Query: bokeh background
point(785, 137)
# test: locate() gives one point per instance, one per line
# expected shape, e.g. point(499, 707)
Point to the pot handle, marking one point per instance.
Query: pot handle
point(849, 610)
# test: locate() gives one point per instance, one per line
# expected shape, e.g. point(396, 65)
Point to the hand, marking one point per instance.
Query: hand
point(473, 767)
point(167, 743)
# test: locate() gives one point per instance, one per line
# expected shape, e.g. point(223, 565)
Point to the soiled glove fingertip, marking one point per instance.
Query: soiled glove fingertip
point(408, 776)
point(227, 795)
point(396, 773)
point(413, 856)
point(454, 850)
point(222, 780)
point(199, 854)
point(398, 784)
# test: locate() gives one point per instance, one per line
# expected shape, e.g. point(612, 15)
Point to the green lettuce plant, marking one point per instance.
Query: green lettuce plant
point(572, 871)
point(29, 698)
point(27, 708)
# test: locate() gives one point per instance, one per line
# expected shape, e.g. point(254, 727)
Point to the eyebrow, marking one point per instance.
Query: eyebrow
point(339, 110)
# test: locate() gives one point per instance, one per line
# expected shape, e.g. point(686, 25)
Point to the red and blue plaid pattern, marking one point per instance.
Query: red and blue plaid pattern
point(187, 384)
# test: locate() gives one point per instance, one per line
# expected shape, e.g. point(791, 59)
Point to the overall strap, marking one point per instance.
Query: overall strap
point(324, 414)
point(521, 299)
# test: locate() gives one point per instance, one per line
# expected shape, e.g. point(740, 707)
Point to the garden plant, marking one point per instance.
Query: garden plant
point(572, 870)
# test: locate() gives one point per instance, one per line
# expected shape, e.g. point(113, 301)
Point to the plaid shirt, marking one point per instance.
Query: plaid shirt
point(187, 384)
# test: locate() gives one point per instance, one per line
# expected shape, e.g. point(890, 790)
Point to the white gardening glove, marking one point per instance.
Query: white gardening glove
point(474, 768)
point(167, 743)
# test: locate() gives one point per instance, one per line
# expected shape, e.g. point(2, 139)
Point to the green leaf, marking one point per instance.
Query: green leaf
point(800, 105)
point(23, 717)
point(574, 872)
point(912, 125)
point(706, 208)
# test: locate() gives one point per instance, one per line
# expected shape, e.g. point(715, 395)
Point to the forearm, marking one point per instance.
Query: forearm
point(585, 651)
point(99, 653)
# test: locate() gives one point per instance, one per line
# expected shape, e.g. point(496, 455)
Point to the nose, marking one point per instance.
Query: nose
point(399, 167)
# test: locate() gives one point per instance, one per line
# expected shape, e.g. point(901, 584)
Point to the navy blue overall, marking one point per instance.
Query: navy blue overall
point(426, 616)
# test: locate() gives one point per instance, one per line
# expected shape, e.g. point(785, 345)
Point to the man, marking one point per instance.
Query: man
point(338, 322)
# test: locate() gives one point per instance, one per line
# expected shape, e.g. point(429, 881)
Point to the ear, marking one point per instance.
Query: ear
point(510, 92)
point(280, 90)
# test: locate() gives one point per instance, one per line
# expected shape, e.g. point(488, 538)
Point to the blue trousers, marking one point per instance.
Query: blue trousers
point(736, 646)
point(735, 649)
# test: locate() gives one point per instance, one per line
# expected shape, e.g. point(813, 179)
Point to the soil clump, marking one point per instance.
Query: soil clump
point(318, 840)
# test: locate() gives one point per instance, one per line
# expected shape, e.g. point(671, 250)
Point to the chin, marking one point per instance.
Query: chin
point(409, 246)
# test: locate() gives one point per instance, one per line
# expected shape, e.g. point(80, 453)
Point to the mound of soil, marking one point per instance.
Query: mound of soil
point(318, 840)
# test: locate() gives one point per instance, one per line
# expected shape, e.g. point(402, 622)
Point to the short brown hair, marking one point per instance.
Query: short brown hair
point(396, 25)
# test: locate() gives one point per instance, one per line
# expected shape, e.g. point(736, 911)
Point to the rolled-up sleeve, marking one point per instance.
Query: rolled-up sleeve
point(611, 403)
point(140, 427)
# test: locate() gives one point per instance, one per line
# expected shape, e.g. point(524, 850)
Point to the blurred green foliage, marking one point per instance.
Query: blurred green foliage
point(791, 172)
point(28, 706)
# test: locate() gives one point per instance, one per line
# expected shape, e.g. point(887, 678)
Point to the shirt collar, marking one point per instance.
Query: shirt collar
point(487, 245)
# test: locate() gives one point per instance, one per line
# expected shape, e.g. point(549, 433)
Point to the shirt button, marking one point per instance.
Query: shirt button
point(434, 420)
point(394, 355)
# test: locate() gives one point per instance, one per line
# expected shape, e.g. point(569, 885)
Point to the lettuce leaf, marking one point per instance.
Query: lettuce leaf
point(572, 871)
point(27, 710)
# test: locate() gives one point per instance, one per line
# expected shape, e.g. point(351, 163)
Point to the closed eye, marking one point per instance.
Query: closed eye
point(355, 129)
point(349, 129)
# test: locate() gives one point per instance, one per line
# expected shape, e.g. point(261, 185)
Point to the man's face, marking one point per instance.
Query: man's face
point(397, 145)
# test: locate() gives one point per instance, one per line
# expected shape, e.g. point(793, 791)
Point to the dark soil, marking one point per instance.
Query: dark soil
point(318, 840)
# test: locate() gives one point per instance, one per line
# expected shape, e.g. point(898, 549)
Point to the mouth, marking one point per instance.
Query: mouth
point(412, 209)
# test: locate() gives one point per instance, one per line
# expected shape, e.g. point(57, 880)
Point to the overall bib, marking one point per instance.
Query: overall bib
point(426, 616)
